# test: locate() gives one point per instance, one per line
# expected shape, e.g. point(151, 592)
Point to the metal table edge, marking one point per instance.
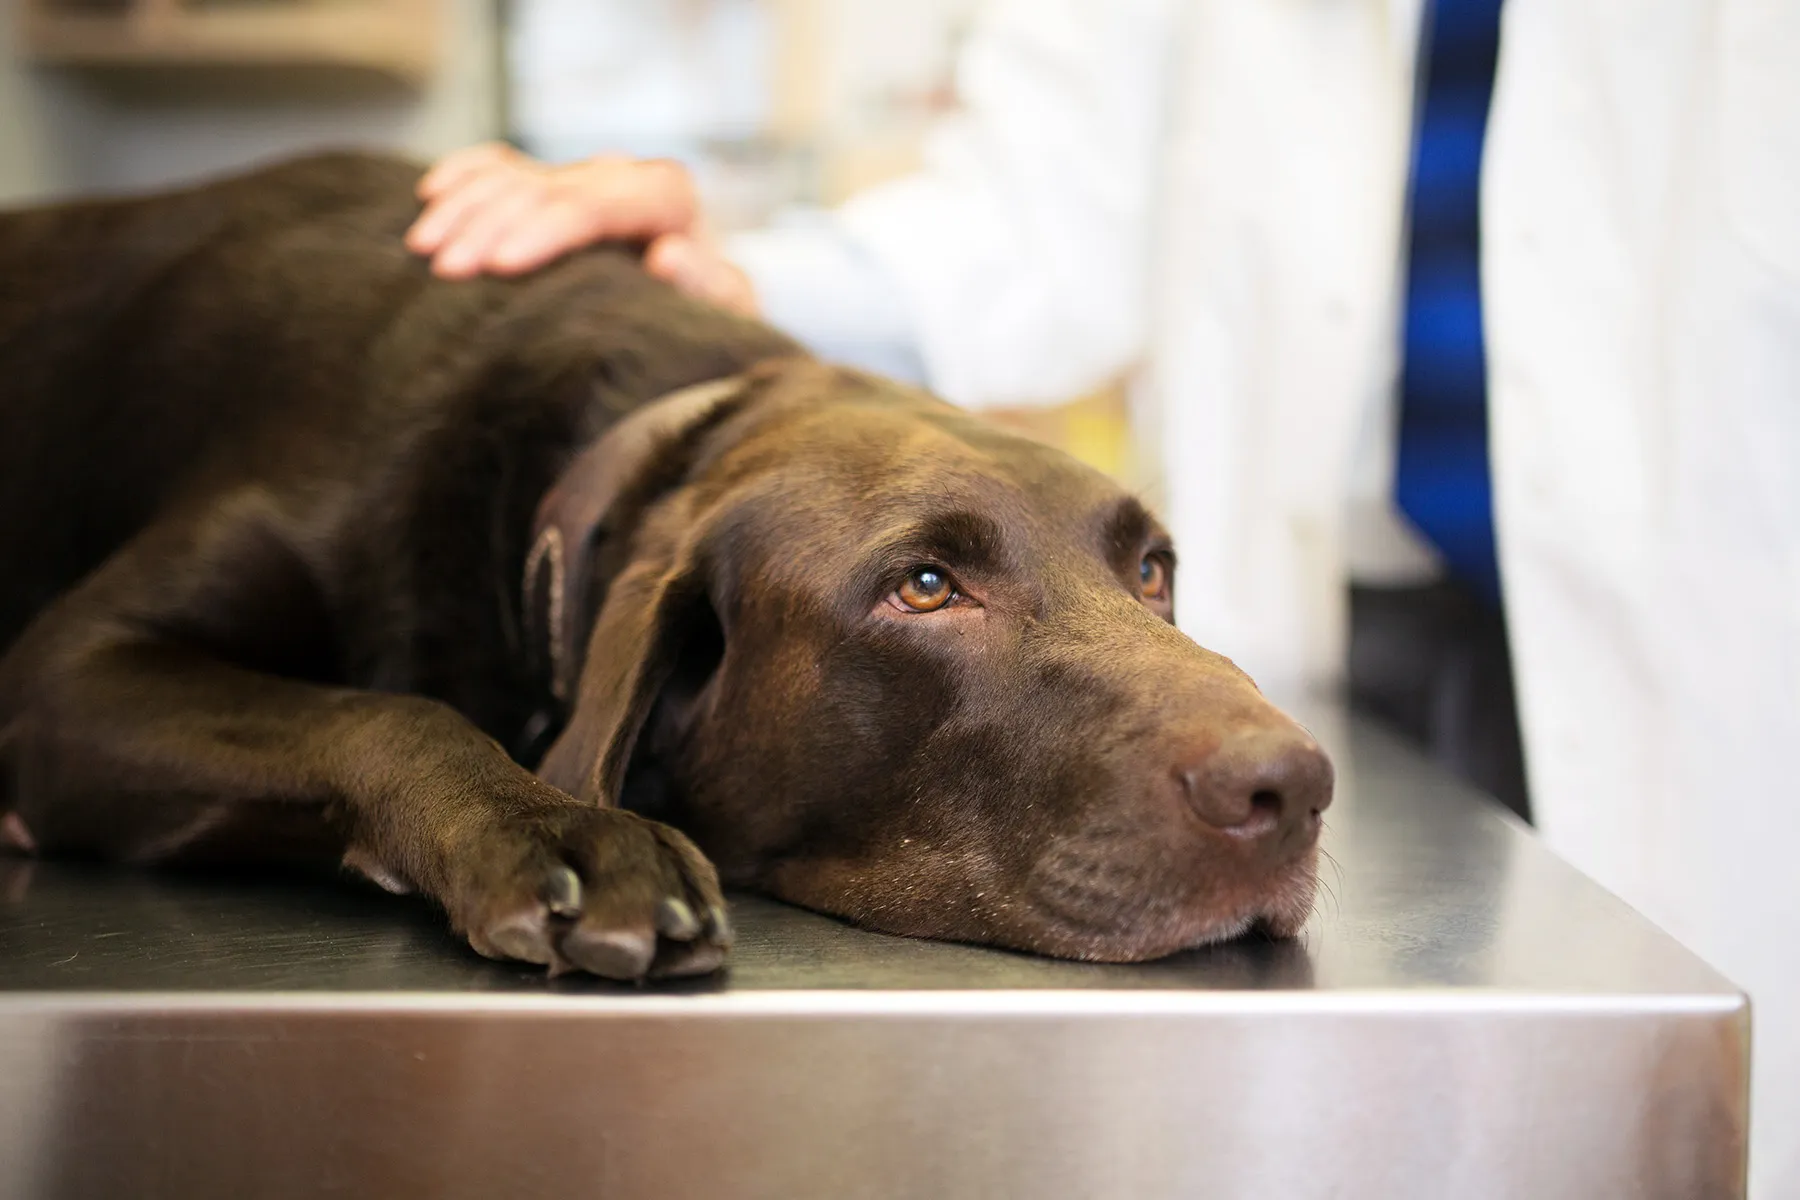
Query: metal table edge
point(1042, 1002)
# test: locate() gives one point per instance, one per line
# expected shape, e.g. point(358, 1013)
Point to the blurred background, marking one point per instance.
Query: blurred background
point(778, 106)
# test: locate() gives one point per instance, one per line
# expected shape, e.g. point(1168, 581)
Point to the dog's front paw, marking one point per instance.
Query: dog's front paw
point(592, 889)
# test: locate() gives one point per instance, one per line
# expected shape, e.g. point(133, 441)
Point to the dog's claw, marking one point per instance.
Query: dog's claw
point(562, 893)
point(718, 925)
point(676, 921)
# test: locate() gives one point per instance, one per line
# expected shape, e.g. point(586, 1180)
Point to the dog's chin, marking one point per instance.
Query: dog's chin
point(1291, 903)
point(1278, 908)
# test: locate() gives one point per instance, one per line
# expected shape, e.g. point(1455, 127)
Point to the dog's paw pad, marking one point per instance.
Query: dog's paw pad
point(610, 953)
point(525, 939)
point(676, 960)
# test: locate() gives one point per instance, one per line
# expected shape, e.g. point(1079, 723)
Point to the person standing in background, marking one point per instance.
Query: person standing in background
point(1213, 195)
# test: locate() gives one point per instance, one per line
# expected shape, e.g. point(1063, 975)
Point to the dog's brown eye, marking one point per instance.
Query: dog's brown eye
point(1153, 577)
point(925, 590)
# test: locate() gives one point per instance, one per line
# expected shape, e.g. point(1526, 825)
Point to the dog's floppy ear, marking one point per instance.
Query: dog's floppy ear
point(633, 648)
point(623, 470)
point(636, 634)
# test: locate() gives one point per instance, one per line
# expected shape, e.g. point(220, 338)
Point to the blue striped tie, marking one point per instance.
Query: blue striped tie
point(1441, 477)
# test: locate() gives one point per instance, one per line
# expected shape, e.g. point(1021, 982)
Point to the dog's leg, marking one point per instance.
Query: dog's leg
point(124, 732)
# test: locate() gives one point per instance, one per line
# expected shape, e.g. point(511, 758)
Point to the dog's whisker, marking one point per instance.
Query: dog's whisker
point(1338, 870)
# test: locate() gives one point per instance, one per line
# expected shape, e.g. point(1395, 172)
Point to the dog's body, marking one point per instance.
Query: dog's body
point(268, 498)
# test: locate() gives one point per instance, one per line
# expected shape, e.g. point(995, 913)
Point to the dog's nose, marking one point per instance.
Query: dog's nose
point(1266, 784)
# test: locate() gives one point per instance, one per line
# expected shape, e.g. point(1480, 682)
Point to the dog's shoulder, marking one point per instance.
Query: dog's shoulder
point(320, 182)
point(164, 224)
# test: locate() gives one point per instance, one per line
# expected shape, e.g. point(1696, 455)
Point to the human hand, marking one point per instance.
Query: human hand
point(490, 209)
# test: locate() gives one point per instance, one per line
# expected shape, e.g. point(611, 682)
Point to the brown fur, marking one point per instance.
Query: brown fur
point(266, 493)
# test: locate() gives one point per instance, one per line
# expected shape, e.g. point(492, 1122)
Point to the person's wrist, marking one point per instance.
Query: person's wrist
point(660, 192)
point(697, 267)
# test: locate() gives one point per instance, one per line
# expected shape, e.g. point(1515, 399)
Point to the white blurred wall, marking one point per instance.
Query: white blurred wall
point(43, 124)
point(771, 102)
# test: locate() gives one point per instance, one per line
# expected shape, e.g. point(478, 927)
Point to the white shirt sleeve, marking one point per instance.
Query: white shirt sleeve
point(819, 287)
point(1020, 251)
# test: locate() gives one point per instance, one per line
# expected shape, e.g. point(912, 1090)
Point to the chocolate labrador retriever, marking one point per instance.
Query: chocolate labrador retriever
point(562, 599)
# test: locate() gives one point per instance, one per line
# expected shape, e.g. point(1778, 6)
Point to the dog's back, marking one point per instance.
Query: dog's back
point(96, 299)
point(158, 346)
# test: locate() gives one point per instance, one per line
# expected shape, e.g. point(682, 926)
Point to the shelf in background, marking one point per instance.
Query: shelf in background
point(400, 38)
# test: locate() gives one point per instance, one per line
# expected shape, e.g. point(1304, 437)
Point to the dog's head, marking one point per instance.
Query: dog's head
point(883, 660)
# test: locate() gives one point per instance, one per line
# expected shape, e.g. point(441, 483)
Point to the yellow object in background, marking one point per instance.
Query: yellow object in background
point(1095, 428)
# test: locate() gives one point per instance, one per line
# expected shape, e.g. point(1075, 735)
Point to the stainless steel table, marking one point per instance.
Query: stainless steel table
point(1466, 1016)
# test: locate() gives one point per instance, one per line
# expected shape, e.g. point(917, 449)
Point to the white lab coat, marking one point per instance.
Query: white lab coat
point(1642, 274)
point(1213, 190)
